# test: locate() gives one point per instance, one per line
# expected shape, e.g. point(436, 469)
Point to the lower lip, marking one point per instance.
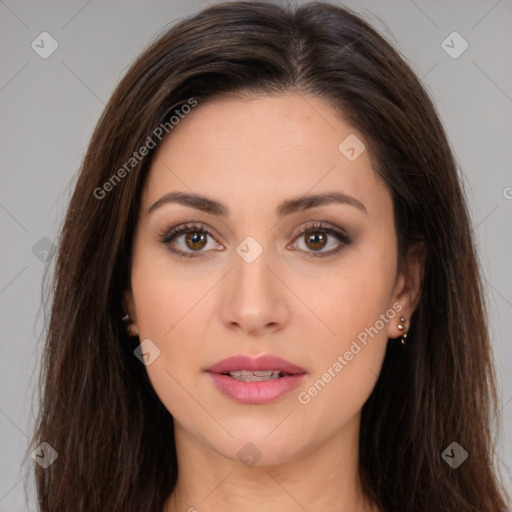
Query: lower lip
point(261, 392)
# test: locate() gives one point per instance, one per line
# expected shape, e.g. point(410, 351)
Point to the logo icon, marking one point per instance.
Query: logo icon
point(454, 45)
point(42, 249)
point(44, 455)
point(249, 454)
point(351, 147)
point(44, 45)
point(454, 455)
point(147, 352)
point(249, 249)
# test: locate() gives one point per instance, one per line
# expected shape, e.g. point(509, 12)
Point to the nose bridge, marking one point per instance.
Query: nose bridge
point(253, 296)
point(251, 273)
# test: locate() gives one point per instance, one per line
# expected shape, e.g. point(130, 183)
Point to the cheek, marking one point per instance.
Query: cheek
point(355, 310)
point(164, 293)
point(170, 307)
point(168, 313)
point(354, 298)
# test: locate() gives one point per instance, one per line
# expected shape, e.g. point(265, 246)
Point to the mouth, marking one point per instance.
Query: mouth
point(249, 369)
point(256, 376)
point(255, 380)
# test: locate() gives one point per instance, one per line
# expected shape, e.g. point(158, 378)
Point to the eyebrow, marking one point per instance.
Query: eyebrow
point(288, 207)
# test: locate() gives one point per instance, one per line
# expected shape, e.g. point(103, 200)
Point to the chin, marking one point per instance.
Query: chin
point(257, 448)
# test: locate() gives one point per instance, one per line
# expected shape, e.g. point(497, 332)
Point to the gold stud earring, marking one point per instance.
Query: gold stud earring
point(401, 327)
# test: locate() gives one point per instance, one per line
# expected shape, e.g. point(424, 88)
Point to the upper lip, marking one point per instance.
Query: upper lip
point(265, 362)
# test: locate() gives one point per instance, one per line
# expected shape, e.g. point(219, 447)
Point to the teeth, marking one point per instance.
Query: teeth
point(264, 373)
point(254, 376)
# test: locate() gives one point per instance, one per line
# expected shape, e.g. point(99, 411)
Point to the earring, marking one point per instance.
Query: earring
point(126, 321)
point(401, 327)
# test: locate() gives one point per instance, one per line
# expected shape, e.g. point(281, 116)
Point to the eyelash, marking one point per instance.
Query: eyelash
point(311, 228)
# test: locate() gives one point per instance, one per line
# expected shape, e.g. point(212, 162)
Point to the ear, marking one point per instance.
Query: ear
point(408, 287)
point(129, 307)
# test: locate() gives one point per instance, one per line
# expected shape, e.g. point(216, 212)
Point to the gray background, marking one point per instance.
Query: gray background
point(49, 108)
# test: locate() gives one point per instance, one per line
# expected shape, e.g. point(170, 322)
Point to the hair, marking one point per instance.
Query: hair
point(98, 410)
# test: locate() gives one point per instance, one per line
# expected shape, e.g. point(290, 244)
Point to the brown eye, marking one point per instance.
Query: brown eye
point(316, 237)
point(316, 240)
point(195, 240)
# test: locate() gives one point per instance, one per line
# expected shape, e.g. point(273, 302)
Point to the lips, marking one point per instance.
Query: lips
point(262, 363)
point(255, 381)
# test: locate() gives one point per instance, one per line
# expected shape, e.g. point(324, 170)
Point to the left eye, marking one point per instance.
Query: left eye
point(316, 237)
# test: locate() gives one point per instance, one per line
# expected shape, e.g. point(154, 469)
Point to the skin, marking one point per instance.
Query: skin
point(251, 153)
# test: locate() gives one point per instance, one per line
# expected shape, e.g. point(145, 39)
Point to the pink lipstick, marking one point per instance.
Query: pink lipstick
point(258, 380)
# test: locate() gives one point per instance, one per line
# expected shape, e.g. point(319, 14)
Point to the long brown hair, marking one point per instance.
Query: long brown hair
point(98, 410)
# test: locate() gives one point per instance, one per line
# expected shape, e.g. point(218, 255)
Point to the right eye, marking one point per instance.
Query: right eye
point(195, 239)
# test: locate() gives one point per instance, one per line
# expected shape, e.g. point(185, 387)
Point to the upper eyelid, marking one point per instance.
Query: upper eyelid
point(186, 226)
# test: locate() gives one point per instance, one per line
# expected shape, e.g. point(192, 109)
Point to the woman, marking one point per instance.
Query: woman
point(267, 295)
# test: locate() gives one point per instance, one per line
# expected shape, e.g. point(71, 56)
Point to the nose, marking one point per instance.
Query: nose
point(256, 299)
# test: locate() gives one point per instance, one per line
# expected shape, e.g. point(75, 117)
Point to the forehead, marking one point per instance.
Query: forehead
point(254, 152)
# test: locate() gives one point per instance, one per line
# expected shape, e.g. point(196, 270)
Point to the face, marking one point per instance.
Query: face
point(258, 270)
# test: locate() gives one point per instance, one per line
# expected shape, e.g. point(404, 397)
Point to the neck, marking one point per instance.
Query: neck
point(322, 477)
